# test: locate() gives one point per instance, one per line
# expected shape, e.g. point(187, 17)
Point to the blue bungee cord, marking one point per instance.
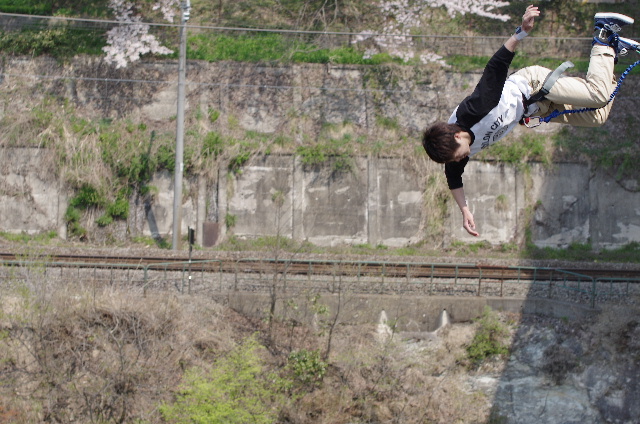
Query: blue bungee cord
point(557, 113)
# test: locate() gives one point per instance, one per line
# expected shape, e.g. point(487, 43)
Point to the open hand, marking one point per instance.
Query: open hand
point(528, 18)
point(468, 223)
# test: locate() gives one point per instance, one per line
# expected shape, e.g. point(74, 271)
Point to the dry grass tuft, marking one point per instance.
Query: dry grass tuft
point(99, 356)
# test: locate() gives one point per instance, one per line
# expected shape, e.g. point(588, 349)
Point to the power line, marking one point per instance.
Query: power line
point(280, 31)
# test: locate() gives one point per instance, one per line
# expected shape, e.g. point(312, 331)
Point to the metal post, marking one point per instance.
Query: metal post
point(182, 71)
point(146, 279)
point(191, 238)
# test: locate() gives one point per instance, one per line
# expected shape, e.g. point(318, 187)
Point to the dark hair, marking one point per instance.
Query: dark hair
point(439, 141)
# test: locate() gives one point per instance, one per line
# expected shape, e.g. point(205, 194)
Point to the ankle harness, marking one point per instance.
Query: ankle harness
point(526, 121)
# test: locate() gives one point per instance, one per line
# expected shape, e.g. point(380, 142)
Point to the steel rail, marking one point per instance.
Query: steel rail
point(409, 270)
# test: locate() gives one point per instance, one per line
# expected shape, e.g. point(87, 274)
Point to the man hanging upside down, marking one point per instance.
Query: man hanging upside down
point(498, 103)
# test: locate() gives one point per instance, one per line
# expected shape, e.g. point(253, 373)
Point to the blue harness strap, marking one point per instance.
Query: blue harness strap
point(557, 113)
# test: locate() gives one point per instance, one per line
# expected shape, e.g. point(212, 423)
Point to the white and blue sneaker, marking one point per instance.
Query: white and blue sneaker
point(626, 45)
point(611, 21)
point(607, 26)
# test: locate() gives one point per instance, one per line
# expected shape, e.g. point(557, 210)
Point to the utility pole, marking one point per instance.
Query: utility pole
point(185, 6)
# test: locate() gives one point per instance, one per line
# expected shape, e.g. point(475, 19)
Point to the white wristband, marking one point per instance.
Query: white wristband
point(520, 34)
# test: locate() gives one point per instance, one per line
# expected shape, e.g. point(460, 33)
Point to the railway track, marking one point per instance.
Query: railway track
point(406, 270)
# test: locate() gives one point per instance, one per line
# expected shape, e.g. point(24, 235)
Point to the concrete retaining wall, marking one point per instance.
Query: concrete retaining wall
point(415, 313)
point(379, 201)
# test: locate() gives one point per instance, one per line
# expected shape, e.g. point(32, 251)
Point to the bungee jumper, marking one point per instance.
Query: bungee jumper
point(529, 96)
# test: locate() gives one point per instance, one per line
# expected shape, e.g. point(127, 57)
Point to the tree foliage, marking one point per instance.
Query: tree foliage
point(237, 390)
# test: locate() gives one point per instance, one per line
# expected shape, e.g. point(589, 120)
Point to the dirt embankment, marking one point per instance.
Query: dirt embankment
point(82, 354)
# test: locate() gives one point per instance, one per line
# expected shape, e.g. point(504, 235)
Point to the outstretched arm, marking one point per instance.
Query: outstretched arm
point(467, 217)
point(527, 26)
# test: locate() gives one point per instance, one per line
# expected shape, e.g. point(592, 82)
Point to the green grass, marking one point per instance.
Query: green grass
point(28, 7)
point(42, 238)
point(629, 253)
point(59, 42)
point(576, 252)
point(271, 47)
point(92, 8)
point(461, 63)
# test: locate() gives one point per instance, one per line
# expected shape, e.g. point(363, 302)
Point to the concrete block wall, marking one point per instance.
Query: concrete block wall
point(415, 313)
point(378, 201)
point(374, 202)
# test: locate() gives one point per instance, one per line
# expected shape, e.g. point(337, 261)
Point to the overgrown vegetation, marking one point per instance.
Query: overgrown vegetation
point(585, 252)
point(560, 18)
point(43, 238)
point(273, 47)
point(93, 354)
point(337, 152)
point(489, 340)
point(33, 7)
point(61, 42)
point(236, 390)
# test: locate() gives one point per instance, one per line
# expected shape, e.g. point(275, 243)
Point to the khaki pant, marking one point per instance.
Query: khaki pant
point(569, 93)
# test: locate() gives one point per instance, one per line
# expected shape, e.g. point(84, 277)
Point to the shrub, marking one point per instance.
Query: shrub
point(104, 220)
point(88, 196)
point(212, 145)
point(236, 390)
point(307, 367)
point(119, 209)
point(488, 340)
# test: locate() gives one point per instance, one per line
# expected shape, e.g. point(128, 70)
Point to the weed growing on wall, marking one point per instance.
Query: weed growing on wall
point(334, 146)
point(436, 198)
point(519, 151)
